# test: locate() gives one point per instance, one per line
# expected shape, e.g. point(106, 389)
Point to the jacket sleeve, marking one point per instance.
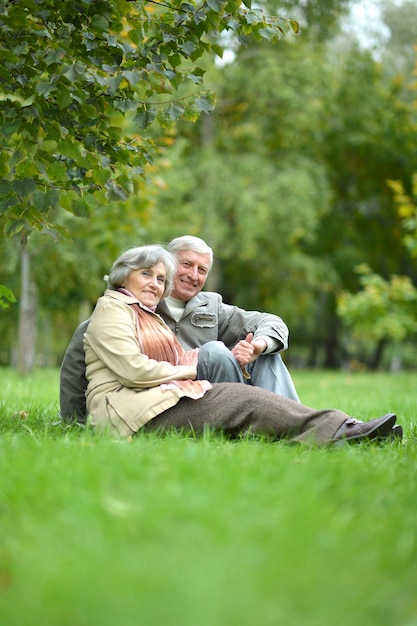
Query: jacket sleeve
point(235, 323)
point(72, 380)
point(113, 344)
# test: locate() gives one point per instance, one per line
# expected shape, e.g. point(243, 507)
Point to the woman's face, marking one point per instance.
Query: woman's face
point(147, 285)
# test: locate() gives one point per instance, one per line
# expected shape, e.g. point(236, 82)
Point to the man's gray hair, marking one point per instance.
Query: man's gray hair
point(189, 242)
point(142, 257)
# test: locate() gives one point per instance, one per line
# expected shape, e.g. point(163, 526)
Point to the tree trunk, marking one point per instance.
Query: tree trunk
point(377, 355)
point(27, 317)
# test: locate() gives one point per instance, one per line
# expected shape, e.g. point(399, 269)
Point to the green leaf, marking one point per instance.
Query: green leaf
point(195, 79)
point(100, 23)
point(26, 169)
point(17, 157)
point(9, 128)
point(214, 5)
point(23, 187)
point(69, 149)
point(6, 204)
point(57, 171)
point(67, 198)
point(132, 77)
point(218, 50)
point(200, 15)
point(63, 97)
point(4, 168)
point(126, 105)
point(80, 208)
point(44, 88)
point(43, 201)
point(100, 176)
point(49, 146)
point(70, 72)
point(175, 60)
point(113, 83)
point(53, 56)
point(14, 226)
point(232, 23)
point(295, 26)
point(5, 187)
point(116, 193)
point(188, 47)
point(175, 111)
point(204, 104)
point(6, 294)
point(267, 33)
point(145, 118)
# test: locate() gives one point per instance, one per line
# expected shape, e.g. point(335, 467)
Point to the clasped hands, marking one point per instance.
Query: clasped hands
point(245, 351)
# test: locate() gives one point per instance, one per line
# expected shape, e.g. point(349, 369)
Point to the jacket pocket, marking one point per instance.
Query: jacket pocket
point(204, 320)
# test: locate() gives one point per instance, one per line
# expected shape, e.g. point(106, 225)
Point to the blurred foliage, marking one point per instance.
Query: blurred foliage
point(88, 94)
point(407, 211)
point(382, 309)
point(286, 179)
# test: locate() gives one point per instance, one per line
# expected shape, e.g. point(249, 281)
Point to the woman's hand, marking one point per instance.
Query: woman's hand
point(189, 358)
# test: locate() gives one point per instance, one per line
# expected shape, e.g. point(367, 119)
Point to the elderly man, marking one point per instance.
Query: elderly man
point(251, 338)
point(245, 345)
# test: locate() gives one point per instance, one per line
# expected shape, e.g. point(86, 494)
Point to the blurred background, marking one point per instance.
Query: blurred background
point(303, 181)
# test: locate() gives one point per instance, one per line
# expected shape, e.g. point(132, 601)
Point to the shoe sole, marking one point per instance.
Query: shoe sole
point(396, 433)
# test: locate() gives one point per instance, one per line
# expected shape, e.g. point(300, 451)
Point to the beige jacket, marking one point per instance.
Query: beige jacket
point(124, 385)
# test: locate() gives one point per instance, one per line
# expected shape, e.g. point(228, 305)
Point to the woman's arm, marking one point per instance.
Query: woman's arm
point(112, 340)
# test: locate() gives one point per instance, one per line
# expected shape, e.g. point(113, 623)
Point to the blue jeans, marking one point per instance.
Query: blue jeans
point(218, 365)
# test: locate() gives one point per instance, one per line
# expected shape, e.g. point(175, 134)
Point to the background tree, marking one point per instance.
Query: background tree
point(381, 312)
point(384, 311)
point(287, 180)
point(89, 90)
point(398, 53)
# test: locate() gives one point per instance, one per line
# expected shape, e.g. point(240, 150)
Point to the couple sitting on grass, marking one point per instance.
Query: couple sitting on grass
point(140, 378)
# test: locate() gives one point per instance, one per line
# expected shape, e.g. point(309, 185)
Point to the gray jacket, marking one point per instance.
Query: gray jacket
point(206, 318)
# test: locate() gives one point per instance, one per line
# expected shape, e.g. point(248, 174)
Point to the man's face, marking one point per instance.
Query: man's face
point(193, 269)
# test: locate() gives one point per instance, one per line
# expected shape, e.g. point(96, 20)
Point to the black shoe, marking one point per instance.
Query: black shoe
point(353, 430)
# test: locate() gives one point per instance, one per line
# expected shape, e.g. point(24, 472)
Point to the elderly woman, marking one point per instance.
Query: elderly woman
point(140, 378)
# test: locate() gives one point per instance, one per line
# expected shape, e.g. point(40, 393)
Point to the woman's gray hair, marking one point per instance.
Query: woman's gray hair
point(189, 242)
point(142, 257)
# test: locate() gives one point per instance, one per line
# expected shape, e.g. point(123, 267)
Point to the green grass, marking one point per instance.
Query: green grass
point(176, 531)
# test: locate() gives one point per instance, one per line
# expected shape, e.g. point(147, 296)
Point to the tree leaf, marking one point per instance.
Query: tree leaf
point(23, 187)
point(145, 118)
point(80, 207)
point(5, 187)
point(204, 104)
point(6, 294)
point(99, 23)
point(126, 105)
point(14, 226)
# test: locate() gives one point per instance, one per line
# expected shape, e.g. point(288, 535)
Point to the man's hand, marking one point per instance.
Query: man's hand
point(248, 349)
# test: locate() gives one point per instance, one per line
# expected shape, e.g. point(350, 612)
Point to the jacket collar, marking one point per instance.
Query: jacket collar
point(124, 297)
point(199, 300)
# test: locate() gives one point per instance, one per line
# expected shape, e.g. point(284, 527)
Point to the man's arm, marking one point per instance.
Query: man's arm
point(207, 318)
point(236, 323)
point(73, 383)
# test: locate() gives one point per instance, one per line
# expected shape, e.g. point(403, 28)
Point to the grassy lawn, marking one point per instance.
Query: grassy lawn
point(176, 531)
